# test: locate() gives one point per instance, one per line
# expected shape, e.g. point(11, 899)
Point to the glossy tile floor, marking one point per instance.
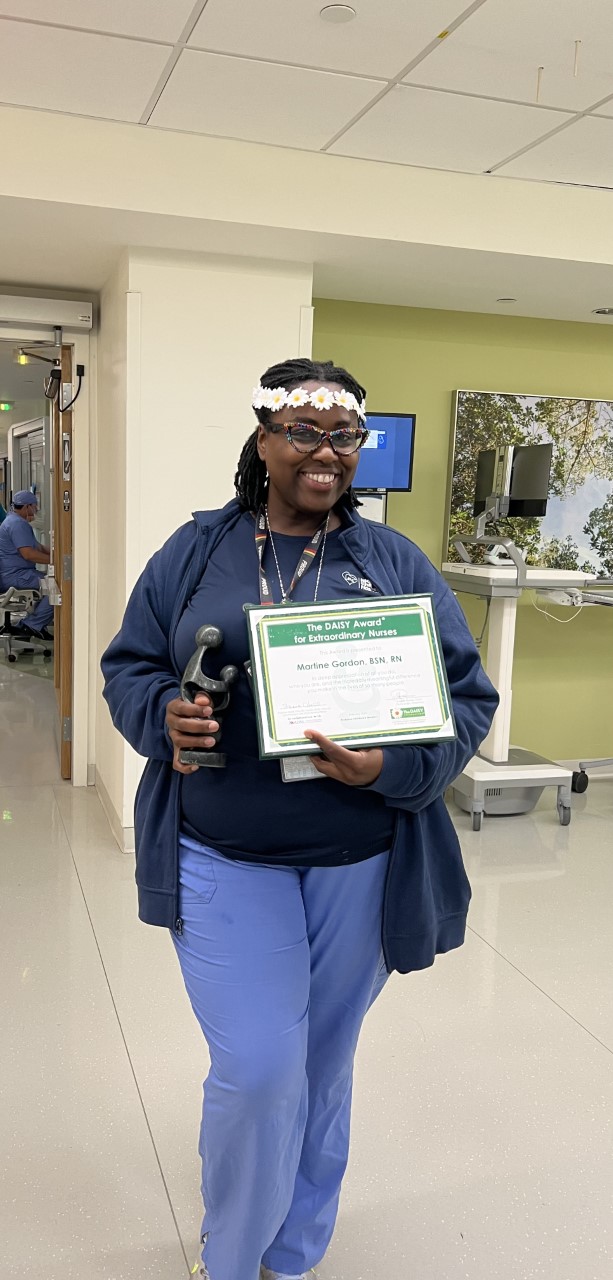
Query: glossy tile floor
point(483, 1117)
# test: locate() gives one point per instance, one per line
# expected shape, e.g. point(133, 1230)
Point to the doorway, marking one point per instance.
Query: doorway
point(38, 453)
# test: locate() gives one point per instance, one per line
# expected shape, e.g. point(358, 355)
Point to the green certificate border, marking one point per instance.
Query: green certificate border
point(263, 620)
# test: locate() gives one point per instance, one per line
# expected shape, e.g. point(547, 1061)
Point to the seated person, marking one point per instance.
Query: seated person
point(19, 555)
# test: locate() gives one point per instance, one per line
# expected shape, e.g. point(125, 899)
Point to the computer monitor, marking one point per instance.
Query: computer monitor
point(386, 460)
point(530, 479)
point(518, 474)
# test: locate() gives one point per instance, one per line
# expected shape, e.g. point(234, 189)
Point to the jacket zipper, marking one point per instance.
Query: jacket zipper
point(190, 578)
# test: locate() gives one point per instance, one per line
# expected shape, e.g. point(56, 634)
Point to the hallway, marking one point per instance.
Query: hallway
point(483, 1113)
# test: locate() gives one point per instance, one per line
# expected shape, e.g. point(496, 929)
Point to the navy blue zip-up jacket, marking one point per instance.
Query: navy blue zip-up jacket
point(427, 891)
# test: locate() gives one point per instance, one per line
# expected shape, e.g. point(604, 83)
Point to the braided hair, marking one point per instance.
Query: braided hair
point(250, 478)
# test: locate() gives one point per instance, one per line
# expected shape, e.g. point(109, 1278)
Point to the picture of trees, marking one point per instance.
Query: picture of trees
point(577, 531)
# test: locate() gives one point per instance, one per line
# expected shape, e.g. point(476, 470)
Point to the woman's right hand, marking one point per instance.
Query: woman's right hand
point(189, 727)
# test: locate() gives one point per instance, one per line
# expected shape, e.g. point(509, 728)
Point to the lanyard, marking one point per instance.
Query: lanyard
point(307, 556)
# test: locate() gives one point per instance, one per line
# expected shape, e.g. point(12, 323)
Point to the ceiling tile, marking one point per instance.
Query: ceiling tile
point(443, 130)
point(259, 101)
point(150, 19)
point(78, 73)
point(499, 49)
point(384, 37)
point(581, 154)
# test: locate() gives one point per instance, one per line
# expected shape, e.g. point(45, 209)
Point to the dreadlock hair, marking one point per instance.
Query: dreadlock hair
point(250, 478)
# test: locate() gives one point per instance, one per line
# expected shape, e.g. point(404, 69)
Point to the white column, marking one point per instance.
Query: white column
point(209, 327)
point(185, 337)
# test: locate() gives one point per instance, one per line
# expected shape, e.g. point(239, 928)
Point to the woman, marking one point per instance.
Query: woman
point(289, 904)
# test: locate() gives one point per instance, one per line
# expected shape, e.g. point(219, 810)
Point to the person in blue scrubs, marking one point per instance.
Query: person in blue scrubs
point(20, 553)
point(289, 902)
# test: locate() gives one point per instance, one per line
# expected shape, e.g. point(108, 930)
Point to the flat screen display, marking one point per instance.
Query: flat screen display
point(528, 484)
point(386, 460)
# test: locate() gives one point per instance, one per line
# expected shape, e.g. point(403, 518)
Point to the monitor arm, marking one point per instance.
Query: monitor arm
point(495, 507)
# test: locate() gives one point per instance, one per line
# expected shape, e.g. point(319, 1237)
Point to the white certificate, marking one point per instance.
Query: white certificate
point(364, 673)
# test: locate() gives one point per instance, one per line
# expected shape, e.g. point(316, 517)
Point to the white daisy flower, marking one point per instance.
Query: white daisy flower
point(322, 398)
point(345, 399)
point(257, 397)
point(276, 399)
point(297, 398)
point(362, 410)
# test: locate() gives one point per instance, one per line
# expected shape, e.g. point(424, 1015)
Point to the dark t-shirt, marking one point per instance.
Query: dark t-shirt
point(246, 810)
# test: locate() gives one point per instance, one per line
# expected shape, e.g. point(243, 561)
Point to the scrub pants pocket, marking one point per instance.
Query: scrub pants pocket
point(197, 879)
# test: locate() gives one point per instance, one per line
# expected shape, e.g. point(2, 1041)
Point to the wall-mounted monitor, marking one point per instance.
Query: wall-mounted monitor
point(386, 460)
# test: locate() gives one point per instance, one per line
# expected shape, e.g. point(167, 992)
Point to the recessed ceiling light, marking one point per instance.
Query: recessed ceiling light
point(506, 299)
point(602, 311)
point(338, 13)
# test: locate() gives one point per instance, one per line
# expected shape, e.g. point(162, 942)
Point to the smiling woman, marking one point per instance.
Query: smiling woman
point(289, 904)
point(318, 409)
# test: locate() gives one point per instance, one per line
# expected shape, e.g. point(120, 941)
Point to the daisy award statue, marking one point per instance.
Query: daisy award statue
point(194, 681)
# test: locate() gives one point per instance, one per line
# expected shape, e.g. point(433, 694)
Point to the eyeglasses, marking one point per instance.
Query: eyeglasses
point(306, 438)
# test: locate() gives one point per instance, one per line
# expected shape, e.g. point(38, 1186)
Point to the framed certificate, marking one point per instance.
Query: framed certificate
point(364, 673)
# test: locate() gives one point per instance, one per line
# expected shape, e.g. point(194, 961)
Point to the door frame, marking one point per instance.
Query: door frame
point(83, 696)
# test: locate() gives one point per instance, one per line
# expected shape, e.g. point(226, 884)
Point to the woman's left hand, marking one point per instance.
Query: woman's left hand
point(354, 768)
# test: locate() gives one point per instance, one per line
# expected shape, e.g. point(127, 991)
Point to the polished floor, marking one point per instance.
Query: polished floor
point(483, 1118)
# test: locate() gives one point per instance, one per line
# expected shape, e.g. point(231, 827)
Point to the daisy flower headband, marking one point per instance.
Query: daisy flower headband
point(275, 398)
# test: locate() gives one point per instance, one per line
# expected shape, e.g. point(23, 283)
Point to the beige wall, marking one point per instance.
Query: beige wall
point(182, 340)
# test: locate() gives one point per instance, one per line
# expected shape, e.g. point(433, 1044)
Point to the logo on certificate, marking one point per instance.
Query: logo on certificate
point(407, 713)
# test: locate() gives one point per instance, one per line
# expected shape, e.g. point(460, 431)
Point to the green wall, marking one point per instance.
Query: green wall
point(412, 360)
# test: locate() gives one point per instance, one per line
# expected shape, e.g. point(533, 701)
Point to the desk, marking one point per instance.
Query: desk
point(503, 779)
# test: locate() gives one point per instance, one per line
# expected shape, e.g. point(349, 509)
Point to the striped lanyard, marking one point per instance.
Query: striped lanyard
point(307, 556)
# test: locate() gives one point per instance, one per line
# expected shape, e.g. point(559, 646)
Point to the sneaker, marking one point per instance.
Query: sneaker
point(265, 1274)
point(199, 1270)
point(29, 633)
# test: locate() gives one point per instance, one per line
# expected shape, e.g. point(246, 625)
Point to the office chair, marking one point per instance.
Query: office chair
point(16, 602)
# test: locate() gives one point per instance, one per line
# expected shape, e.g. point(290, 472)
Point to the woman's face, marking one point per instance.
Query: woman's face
point(309, 483)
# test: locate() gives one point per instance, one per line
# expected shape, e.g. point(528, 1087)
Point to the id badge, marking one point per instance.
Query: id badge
point(299, 769)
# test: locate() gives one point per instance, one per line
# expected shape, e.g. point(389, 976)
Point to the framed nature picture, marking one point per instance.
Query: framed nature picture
point(577, 530)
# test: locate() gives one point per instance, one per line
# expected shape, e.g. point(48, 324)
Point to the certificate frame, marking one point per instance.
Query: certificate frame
point(356, 644)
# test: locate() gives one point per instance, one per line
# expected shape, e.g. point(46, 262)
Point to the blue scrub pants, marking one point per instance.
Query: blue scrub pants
point(42, 614)
point(280, 965)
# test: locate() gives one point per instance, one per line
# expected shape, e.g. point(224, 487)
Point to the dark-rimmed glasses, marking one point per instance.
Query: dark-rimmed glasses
point(305, 437)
